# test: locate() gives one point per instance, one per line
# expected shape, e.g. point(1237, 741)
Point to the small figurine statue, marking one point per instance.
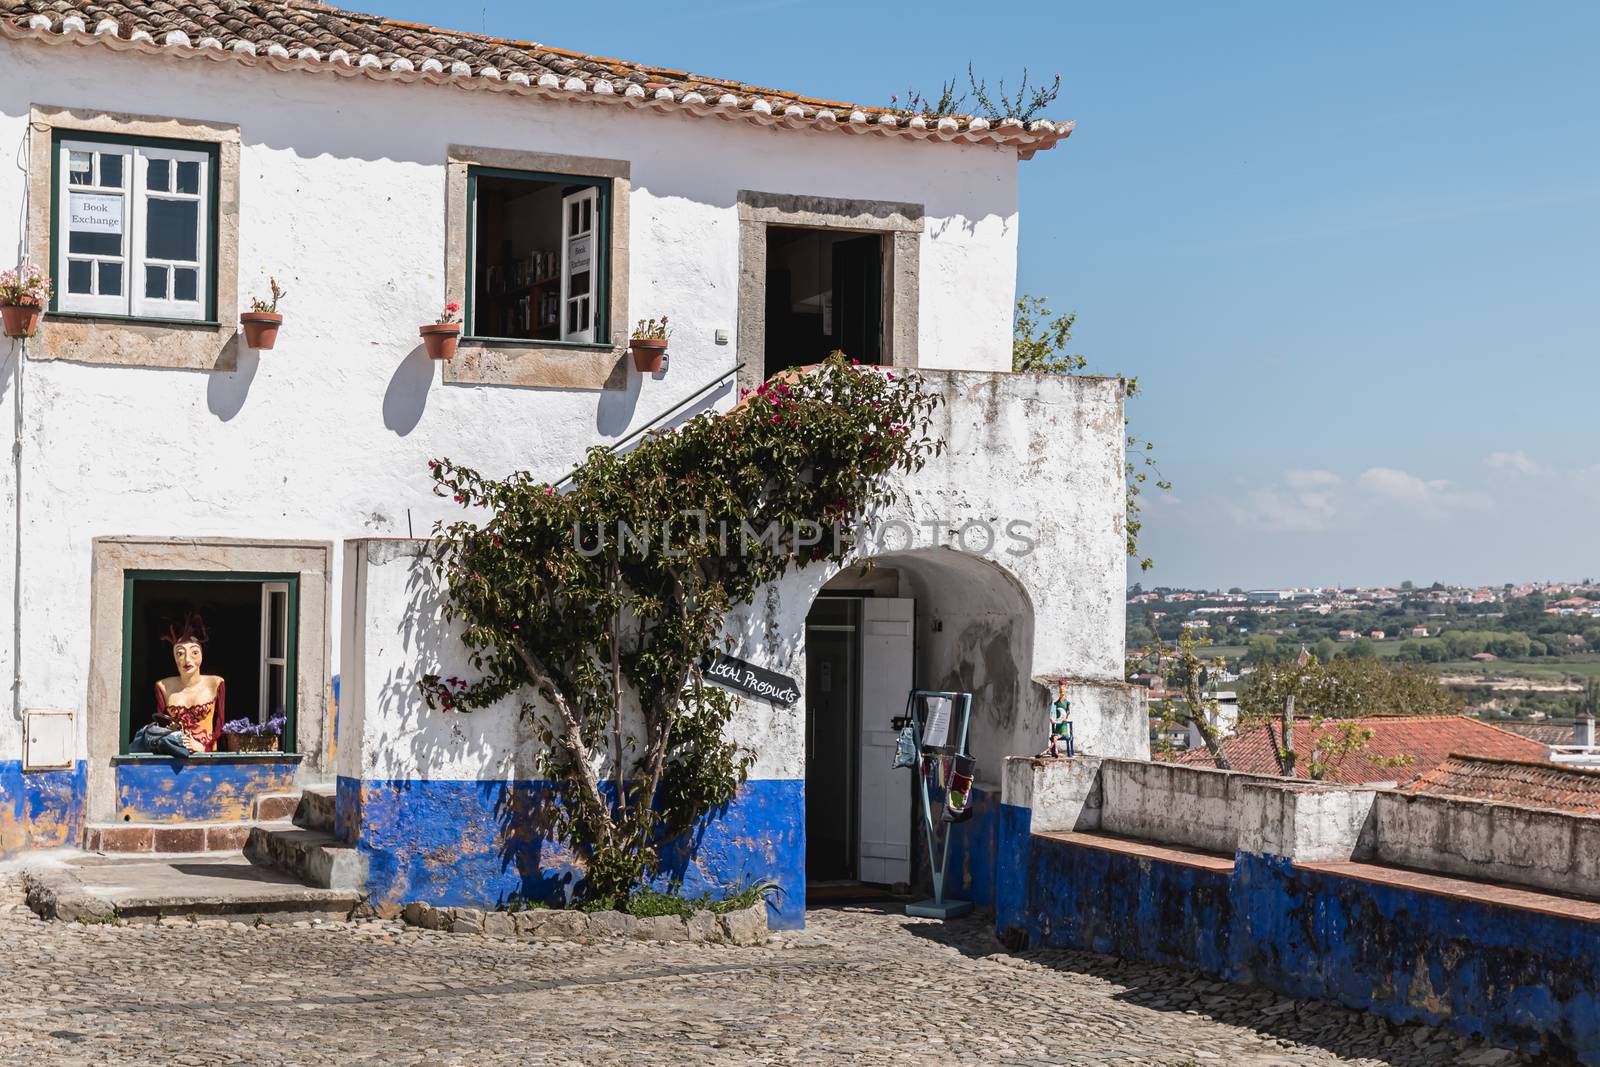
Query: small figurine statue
point(1060, 722)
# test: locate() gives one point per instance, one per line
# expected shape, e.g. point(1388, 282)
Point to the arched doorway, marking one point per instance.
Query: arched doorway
point(927, 619)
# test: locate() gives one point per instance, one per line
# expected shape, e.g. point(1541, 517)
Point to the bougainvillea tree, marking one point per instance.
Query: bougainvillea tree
point(599, 601)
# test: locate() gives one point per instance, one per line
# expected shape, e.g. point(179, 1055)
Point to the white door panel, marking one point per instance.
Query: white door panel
point(887, 649)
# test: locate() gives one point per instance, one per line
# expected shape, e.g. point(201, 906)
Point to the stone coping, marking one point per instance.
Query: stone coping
point(1444, 885)
point(747, 926)
point(1180, 855)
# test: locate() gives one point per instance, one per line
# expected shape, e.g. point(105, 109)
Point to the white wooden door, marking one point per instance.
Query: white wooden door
point(886, 665)
point(578, 266)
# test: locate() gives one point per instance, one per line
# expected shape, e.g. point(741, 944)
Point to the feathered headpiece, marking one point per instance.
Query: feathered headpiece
point(194, 629)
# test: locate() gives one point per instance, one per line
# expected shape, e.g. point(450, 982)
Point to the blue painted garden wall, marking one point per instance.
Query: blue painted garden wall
point(208, 789)
point(40, 809)
point(483, 844)
point(1517, 977)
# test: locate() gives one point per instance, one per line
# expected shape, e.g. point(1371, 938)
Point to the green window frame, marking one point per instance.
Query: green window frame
point(600, 311)
point(134, 191)
point(292, 647)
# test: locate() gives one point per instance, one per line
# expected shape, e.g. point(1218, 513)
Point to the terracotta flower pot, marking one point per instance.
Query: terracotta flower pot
point(647, 355)
point(21, 320)
point(440, 339)
point(261, 328)
point(249, 742)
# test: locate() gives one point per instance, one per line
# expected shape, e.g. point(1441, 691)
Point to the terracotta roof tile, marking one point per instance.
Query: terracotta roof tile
point(302, 35)
point(1532, 784)
point(1425, 740)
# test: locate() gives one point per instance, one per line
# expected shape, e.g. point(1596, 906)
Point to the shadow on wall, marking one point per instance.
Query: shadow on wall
point(227, 390)
point(406, 398)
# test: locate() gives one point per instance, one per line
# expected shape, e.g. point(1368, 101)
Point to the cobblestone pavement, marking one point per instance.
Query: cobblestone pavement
point(858, 986)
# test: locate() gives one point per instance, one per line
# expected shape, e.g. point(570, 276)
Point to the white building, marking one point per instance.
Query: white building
point(170, 163)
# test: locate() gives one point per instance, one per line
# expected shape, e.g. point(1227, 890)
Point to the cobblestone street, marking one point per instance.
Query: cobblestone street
point(860, 985)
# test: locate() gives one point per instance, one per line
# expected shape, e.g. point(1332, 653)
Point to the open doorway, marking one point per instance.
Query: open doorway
point(859, 667)
point(824, 292)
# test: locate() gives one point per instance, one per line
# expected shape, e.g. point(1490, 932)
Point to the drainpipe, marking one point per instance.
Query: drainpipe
point(19, 350)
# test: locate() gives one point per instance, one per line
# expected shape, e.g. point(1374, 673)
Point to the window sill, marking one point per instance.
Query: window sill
point(118, 341)
point(537, 364)
point(531, 342)
point(130, 320)
point(209, 757)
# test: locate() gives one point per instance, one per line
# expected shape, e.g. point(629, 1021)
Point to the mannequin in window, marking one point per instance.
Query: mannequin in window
point(191, 701)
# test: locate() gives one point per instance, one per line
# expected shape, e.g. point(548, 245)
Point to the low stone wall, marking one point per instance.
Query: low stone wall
point(746, 926)
point(1310, 898)
point(1494, 842)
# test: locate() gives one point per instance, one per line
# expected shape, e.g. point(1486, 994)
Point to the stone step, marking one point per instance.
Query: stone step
point(315, 809)
point(165, 836)
point(312, 856)
point(275, 807)
point(144, 889)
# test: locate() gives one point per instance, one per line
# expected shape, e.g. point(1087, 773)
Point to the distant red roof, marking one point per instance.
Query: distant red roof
point(1536, 785)
point(1428, 740)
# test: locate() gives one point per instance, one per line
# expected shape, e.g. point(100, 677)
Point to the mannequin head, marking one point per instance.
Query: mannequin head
point(187, 655)
point(187, 646)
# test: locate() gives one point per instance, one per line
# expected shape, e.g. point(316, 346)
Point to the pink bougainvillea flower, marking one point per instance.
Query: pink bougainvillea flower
point(549, 489)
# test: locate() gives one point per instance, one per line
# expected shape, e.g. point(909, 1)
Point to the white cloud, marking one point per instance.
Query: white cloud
point(1517, 462)
point(1311, 500)
point(1307, 501)
point(1427, 499)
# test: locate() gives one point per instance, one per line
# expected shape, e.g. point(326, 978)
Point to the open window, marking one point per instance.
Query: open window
point(249, 628)
point(825, 292)
point(538, 256)
point(134, 224)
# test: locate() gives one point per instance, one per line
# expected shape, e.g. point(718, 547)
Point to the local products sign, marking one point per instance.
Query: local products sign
point(94, 213)
point(743, 677)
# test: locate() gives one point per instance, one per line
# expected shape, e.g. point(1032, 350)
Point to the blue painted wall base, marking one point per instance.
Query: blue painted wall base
point(40, 809)
point(1517, 977)
point(481, 844)
point(209, 789)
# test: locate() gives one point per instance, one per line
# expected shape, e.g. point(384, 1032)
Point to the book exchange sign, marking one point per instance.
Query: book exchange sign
point(743, 677)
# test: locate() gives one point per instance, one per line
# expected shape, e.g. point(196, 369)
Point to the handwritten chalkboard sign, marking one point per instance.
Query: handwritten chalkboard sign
point(743, 677)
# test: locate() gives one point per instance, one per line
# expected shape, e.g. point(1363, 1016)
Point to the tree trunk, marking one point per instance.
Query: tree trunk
point(1289, 757)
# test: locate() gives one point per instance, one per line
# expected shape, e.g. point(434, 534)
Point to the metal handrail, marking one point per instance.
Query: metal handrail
point(653, 423)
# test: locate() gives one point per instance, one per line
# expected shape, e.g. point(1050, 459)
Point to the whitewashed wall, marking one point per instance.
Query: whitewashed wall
point(1065, 432)
point(342, 199)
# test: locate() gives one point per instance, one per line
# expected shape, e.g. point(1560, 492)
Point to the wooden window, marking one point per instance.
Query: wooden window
point(133, 228)
point(537, 257)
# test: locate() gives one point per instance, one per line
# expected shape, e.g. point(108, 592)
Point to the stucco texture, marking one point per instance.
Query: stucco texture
point(342, 192)
point(484, 843)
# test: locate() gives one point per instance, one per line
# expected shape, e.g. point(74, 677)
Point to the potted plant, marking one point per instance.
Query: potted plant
point(440, 336)
point(24, 292)
point(243, 735)
point(649, 344)
point(261, 322)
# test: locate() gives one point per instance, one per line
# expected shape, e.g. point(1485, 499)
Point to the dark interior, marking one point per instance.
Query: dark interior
point(832, 682)
point(517, 275)
point(824, 293)
point(232, 614)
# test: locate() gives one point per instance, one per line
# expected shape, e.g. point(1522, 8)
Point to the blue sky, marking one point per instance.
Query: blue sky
point(1350, 250)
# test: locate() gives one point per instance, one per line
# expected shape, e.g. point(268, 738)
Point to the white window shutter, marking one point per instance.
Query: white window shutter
point(579, 264)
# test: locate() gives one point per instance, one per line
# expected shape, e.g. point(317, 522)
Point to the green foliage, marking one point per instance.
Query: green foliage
point(603, 600)
point(1025, 105)
point(1194, 708)
point(1344, 689)
point(1039, 340)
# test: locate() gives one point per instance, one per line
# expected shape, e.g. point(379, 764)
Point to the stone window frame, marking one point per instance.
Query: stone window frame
point(204, 346)
point(538, 364)
point(113, 557)
point(902, 225)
